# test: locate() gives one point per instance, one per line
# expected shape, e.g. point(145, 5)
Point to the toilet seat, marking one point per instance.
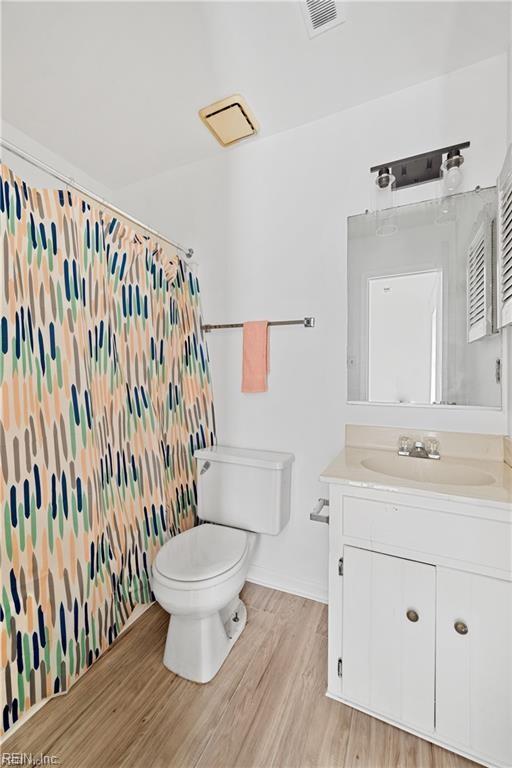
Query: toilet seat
point(201, 553)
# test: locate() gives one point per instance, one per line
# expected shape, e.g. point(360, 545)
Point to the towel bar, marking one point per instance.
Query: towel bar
point(307, 322)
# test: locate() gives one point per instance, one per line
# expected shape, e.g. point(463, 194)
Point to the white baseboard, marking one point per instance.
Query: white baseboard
point(301, 587)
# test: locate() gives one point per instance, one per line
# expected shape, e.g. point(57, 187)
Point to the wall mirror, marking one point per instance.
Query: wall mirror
point(421, 304)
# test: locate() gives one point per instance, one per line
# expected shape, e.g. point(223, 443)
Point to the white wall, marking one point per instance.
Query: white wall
point(509, 111)
point(268, 222)
point(508, 331)
point(39, 178)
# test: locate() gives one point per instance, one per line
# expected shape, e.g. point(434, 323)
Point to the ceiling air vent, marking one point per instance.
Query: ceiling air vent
point(321, 15)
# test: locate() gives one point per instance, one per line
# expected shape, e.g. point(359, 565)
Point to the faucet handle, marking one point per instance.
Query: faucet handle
point(432, 447)
point(404, 445)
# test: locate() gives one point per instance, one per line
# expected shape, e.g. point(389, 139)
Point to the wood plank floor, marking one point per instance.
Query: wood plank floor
point(266, 708)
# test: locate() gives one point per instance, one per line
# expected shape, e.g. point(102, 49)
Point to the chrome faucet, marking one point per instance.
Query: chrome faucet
point(426, 449)
point(418, 451)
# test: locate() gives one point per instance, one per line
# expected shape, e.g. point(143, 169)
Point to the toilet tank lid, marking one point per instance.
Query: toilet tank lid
point(250, 457)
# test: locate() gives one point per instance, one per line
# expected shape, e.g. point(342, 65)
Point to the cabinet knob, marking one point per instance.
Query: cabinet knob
point(461, 627)
point(412, 615)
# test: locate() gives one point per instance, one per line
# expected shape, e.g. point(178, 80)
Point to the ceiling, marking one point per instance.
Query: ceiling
point(115, 87)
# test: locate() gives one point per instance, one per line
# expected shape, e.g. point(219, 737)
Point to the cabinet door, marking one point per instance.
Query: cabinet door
point(389, 636)
point(474, 670)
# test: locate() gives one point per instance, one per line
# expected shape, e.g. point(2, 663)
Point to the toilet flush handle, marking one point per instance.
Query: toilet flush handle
point(205, 467)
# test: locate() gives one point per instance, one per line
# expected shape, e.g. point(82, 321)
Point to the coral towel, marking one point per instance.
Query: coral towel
point(255, 356)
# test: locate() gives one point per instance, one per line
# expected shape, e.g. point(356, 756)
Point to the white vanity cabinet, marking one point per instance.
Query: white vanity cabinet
point(474, 670)
point(389, 660)
point(420, 615)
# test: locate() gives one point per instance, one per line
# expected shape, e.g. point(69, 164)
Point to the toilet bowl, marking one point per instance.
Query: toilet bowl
point(197, 576)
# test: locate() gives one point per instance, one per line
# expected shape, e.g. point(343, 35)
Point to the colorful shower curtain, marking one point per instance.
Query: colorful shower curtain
point(105, 395)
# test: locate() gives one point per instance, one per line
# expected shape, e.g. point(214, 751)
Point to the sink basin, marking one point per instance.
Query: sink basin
point(447, 472)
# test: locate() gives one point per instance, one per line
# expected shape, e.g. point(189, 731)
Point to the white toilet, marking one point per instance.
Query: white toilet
point(198, 575)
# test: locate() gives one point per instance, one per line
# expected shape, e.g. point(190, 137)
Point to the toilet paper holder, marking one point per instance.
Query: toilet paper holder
point(315, 514)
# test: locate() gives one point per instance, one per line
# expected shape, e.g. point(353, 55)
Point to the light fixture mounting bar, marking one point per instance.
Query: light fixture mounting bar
point(418, 169)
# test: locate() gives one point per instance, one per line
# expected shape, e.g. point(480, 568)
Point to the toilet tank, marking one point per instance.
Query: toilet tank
point(244, 488)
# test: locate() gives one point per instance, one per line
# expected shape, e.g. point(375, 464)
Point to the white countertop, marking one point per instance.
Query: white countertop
point(347, 469)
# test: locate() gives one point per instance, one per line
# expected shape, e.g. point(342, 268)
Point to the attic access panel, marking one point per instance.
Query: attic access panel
point(229, 120)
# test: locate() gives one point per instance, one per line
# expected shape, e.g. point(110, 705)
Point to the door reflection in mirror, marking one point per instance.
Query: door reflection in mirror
point(405, 327)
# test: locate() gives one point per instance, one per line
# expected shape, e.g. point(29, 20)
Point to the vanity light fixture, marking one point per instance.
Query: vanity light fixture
point(440, 163)
point(385, 178)
point(445, 209)
point(451, 170)
point(384, 184)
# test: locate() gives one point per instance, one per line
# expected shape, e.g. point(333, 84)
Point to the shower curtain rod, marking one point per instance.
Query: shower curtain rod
point(70, 182)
